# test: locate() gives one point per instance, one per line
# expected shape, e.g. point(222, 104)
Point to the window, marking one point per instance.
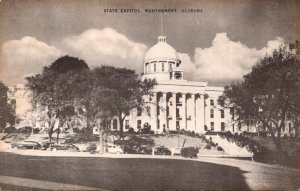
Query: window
point(283, 128)
point(211, 113)
point(290, 127)
point(170, 66)
point(126, 124)
point(222, 126)
point(147, 67)
point(168, 111)
point(163, 67)
point(158, 123)
point(212, 102)
point(212, 126)
point(177, 112)
point(222, 113)
point(177, 125)
point(139, 111)
point(139, 124)
point(115, 124)
point(154, 67)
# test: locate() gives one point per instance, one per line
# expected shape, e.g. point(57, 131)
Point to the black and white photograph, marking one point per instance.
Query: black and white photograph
point(149, 95)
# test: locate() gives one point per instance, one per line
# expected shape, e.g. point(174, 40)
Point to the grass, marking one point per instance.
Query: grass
point(287, 145)
point(125, 174)
point(270, 153)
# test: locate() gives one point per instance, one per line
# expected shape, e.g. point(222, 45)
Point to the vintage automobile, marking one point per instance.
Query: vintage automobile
point(90, 148)
point(162, 150)
point(26, 145)
point(65, 147)
point(130, 149)
point(115, 149)
point(145, 150)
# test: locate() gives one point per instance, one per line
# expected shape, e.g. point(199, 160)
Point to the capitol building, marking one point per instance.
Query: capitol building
point(177, 103)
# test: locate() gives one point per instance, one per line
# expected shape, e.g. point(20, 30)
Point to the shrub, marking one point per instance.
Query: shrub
point(36, 130)
point(26, 130)
point(189, 152)
point(131, 131)
point(10, 129)
point(208, 147)
point(146, 131)
point(212, 144)
point(173, 132)
point(220, 149)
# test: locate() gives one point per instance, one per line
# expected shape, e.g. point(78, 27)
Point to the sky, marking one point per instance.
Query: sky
point(219, 45)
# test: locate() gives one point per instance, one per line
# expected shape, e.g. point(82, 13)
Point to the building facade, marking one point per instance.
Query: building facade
point(177, 103)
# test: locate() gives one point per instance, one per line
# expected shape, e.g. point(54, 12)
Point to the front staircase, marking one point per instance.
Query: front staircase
point(231, 148)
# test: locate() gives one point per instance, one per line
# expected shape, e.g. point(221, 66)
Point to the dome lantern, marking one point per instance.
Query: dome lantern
point(162, 39)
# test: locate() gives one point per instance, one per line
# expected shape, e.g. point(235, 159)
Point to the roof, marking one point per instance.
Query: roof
point(161, 51)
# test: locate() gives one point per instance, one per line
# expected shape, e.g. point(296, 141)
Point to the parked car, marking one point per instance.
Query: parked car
point(130, 149)
point(66, 147)
point(90, 148)
point(26, 145)
point(145, 150)
point(162, 150)
point(111, 148)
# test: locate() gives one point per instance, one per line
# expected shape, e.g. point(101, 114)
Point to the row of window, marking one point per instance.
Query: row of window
point(212, 126)
point(162, 66)
point(139, 112)
point(212, 113)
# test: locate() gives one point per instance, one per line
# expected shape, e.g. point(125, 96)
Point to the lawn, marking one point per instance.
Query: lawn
point(124, 174)
point(271, 155)
point(287, 145)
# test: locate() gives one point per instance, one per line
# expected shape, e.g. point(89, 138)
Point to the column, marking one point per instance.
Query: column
point(173, 110)
point(153, 122)
point(184, 111)
point(193, 113)
point(201, 113)
point(197, 106)
point(163, 109)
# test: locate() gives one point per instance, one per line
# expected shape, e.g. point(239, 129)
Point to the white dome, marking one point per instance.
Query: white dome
point(161, 51)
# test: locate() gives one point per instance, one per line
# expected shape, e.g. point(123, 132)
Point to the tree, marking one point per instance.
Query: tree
point(269, 94)
point(7, 114)
point(115, 92)
point(57, 88)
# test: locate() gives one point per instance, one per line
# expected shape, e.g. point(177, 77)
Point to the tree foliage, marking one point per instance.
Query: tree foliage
point(269, 95)
point(115, 92)
point(7, 114)
point(57, 88)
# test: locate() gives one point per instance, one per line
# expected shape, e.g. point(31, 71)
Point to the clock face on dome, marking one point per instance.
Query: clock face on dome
point(178, 75)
